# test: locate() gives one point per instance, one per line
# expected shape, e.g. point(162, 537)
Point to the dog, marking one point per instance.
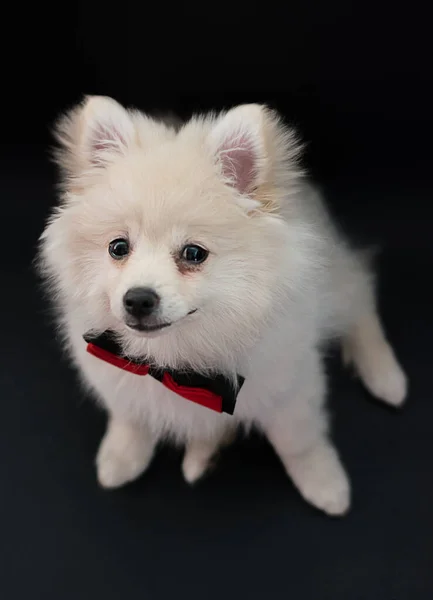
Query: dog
point(203, 252)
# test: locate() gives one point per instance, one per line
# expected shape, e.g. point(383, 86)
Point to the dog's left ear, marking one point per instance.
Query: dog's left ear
point(252, 149)
point(238, 143)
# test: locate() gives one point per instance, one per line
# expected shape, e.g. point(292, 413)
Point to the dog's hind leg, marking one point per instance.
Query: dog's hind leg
point(366, 347)
point(200, 454)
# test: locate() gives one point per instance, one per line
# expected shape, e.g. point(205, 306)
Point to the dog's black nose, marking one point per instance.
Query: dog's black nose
point(140, 301)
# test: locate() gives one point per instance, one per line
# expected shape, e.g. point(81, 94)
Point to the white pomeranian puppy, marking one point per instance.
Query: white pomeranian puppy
point(197, 277)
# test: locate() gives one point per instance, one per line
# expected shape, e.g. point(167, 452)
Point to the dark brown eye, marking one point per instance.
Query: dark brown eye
point(194, 254)
point(119, 248)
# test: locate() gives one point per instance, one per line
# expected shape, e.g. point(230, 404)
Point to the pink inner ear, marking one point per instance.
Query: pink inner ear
point(104, 138)
point(239, 161)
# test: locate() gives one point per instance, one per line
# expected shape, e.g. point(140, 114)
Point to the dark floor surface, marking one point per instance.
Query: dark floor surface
point(243, 532)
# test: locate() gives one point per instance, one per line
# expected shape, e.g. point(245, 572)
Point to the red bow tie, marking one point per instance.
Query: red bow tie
point(215, 392)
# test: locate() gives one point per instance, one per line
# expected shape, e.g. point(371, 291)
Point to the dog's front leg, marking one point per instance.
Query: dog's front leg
point(297, 429)
point(125, 452)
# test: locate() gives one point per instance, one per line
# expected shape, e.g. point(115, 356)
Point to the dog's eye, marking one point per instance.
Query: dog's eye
point(118, 248)
point(194, 254)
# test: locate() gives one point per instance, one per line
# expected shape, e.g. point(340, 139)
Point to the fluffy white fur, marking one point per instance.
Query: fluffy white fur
point(279, 282)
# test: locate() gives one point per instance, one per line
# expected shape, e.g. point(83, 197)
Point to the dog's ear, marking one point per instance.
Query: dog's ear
point(107, 129)
point(92, 135)
point(238, 143)
point(255, 152)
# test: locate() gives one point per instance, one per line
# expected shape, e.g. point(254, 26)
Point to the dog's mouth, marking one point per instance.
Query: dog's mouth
point(155, 327)
point(147, 328)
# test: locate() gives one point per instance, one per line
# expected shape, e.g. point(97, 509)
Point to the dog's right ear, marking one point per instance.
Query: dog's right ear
point(92, 135)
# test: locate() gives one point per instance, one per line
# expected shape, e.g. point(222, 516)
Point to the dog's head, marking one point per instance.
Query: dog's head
point(172, 238)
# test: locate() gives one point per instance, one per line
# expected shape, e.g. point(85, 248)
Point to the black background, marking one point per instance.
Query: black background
point(356, 79)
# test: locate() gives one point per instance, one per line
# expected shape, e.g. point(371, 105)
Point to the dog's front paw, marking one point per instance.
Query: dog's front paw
point(321, 479)
point(124, 454)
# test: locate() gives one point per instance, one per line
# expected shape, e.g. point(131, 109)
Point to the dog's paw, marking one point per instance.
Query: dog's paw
point(387, 381)
point(321, 479)
point(378, 368)
point(194, 467)
point(200, 455)
point(199, 458)
point(124, 455)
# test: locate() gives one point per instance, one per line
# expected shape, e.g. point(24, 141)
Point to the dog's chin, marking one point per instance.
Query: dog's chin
point(148, 332)
point(153, 330)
